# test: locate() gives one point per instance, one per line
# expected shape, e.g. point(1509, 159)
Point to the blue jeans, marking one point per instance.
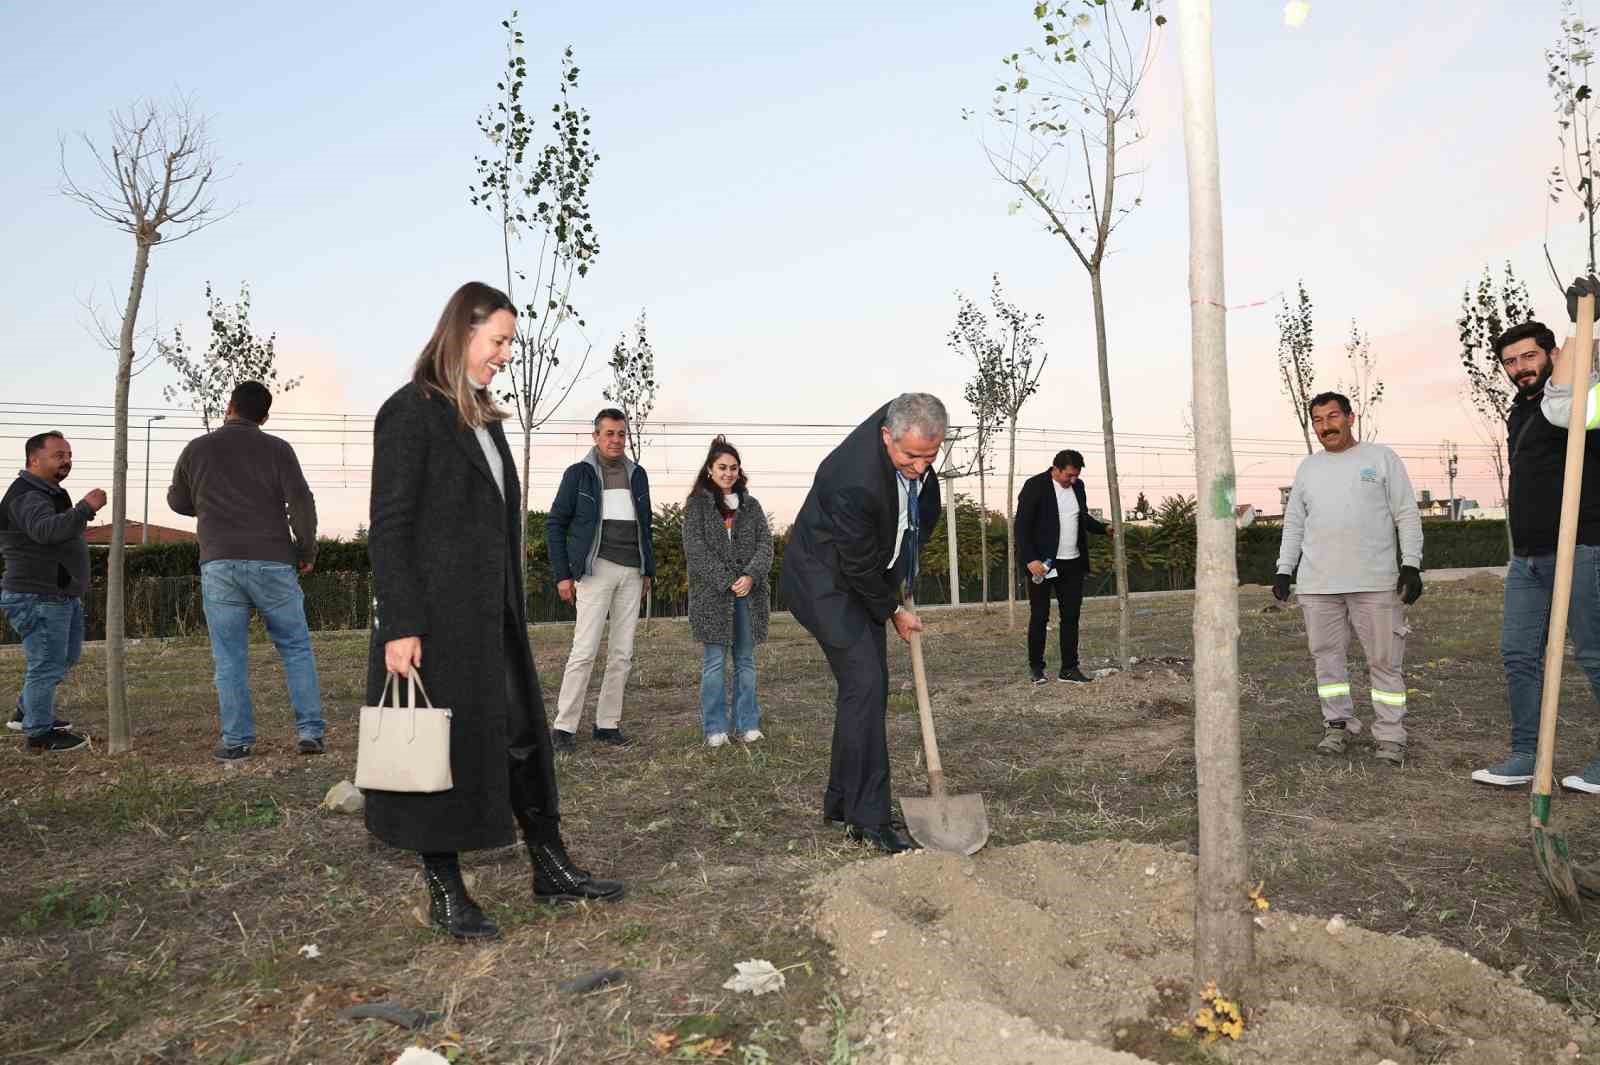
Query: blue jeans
point(51, 627)
point(230, 588)
point(1529, 585)
point(713, 695)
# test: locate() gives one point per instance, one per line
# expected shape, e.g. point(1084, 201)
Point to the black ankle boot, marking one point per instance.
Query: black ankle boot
point(449, 906)
point(556, 878)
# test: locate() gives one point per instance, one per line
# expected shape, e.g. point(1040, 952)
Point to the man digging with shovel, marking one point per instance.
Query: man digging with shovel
point(853, 546)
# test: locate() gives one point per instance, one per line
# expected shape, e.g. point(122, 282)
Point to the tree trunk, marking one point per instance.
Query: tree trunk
point(1119, 552)
point(120, 729)
point(527, 471)
point(983, 531)
point(1224, 943)
point(950, 543)
point(1011, 527)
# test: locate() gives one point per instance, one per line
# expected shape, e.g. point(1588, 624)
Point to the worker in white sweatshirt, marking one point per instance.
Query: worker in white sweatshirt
point(1339, 528)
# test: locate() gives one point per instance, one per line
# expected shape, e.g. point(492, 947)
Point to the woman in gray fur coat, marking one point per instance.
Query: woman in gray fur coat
point(727, 544)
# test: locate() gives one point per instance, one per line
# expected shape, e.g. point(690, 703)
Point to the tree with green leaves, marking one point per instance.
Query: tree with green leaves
point(1067, 107)
point(633, 383)
point(1364, 387)
point(1487, 311)
point(1574, 175)
point(1297, 370)
point(155, 182)
point(539, 198)
point(233, 355)
point(1010, 363)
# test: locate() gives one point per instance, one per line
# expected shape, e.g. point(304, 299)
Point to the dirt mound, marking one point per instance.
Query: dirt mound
point(1082, 955)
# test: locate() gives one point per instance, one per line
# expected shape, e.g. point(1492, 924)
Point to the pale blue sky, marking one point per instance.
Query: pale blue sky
point(791, 193)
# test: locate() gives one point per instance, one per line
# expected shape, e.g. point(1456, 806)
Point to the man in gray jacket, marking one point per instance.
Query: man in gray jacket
point(47, 572)
point(1339, 529)
point(240, 482)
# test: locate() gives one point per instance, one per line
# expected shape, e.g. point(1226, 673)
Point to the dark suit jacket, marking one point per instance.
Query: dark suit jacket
point(835, 568)
point(1039, 521)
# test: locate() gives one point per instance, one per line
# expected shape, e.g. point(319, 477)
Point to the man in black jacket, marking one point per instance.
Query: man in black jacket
point(1536, 432)
point(1052, 527)
point(47, 572)
point(853, 546)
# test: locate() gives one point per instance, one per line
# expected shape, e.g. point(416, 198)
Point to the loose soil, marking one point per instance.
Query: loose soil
point(1044, 953)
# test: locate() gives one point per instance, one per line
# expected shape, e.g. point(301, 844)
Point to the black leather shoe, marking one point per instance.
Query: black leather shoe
point(557, 879)
point(563, 741)
point(1073, 676)
point(450, 908)
point(886, 838)
point(613, 736)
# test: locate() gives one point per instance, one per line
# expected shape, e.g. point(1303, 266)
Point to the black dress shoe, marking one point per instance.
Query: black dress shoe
point(1073, 676)
point(886, 838)
point(555, 877)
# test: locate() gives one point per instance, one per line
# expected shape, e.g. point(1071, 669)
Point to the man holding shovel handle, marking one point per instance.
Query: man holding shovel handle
point(852, 548)
point(1536, 432)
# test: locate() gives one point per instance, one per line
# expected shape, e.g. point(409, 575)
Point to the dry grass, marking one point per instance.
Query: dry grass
point(155, 905)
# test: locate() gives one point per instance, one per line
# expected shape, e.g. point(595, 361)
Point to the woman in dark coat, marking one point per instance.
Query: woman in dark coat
point(727, 544)
point(447, 579)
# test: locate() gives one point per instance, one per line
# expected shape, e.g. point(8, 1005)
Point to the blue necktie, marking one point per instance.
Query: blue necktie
point(909, 550)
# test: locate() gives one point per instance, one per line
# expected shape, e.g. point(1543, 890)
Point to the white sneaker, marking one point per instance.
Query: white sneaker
point(717, 739)
point(751, 736)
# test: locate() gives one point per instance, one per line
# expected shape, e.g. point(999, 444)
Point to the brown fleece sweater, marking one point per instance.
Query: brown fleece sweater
point(248, 492)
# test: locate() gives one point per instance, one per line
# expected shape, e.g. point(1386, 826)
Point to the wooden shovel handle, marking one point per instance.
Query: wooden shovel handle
point(1581, 358)
point(930, 742)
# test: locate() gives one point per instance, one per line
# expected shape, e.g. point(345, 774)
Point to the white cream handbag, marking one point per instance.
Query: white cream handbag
point(404, 748)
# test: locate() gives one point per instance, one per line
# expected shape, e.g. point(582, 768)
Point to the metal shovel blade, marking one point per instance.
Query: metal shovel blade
point(958, 824)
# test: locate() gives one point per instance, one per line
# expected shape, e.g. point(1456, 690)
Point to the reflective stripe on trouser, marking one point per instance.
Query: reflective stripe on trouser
point(1379, 621)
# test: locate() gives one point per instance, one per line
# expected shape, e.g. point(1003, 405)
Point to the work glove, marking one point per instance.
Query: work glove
point(1583, 286)
point(1409, 586)
point(1280, 587)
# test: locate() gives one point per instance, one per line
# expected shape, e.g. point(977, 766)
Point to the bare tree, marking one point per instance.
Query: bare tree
point(1365, 387)
point(1007, 360)
point(1487, 312)
point(540, 200)
point(153, 179)
point(235, 354)
point(1224, 937)
point(1080, 118)
point(979, 394)
point(1297, 369)
point(633, 383)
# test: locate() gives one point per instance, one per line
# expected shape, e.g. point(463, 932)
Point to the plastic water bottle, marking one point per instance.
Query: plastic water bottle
point(1040, 578)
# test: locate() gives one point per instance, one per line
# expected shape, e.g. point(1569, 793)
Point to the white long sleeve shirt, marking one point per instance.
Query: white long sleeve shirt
point(1341, 521)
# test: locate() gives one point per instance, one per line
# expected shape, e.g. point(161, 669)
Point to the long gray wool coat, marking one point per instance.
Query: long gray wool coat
point(443, 544)
point(715, 562)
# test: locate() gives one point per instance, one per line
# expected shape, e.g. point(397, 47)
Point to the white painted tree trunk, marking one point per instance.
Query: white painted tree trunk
point(951, 541)
point(1224, 943)
point(1011, 527)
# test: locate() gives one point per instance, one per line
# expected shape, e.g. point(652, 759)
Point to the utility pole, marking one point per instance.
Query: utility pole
point(144, 531)
point(1450, 459)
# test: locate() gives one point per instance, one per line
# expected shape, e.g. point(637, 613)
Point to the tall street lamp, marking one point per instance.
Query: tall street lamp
point(144, 533)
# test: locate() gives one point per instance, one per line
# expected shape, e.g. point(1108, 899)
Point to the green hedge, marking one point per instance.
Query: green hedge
point(1445, 545)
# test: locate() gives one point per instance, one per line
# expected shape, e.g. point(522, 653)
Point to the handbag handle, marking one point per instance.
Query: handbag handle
point(410, 702)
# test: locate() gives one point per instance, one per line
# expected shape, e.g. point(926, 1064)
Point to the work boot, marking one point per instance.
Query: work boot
point(450, 908)
point(1334, 738)
point(613, 736)
point(555, 877)
point(563, 741)
point(1391, 752)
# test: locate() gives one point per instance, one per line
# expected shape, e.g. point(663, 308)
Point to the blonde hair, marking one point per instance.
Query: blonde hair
point(442, 366)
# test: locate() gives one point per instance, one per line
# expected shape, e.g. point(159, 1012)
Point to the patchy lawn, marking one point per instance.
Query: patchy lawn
point(155, 906)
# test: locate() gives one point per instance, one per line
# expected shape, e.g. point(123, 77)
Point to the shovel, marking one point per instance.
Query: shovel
point(955, 823)
point(1550, 853)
